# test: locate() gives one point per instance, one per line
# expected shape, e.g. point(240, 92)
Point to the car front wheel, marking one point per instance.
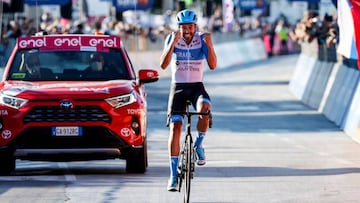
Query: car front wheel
point(137, 162)
point(7, 162)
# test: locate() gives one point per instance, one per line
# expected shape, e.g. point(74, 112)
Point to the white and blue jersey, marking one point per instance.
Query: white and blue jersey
point(187, 67)
point(188, 60)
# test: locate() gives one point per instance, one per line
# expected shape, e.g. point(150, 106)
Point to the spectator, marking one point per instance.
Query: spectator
point(282, 33)
point(29, 28)
point(14, 30)
point(98, 27)
point(269, 36)
point(151, 35)
point(79, 28)
point(216, 21)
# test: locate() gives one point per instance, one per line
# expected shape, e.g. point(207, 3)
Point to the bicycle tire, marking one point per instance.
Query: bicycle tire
point(181, 168)
point(188, 171)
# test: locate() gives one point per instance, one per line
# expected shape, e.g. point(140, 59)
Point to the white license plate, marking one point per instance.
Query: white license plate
point(67, 131)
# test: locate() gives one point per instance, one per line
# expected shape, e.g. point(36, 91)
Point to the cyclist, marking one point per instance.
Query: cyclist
point(187, 50)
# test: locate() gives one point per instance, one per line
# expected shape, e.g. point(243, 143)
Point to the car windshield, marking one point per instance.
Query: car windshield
point(49, 65)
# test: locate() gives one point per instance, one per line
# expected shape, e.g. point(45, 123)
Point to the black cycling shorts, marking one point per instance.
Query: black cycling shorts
point(182, 92)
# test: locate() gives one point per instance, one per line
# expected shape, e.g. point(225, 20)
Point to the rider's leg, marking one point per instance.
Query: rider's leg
point(202, 127)
point(174, 150)
point(174, 146)
point(203, 121)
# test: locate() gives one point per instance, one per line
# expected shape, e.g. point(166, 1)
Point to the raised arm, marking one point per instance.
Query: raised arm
point(170, 41)
point(211, 59)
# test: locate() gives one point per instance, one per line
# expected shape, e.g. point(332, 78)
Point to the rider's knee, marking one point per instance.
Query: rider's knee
point(176, 119)
point(203, 105)
point(176, 127)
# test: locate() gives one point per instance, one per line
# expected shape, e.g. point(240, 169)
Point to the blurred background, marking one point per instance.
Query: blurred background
point(143, 24)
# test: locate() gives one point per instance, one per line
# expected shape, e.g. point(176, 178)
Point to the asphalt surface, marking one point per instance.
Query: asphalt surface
point(265, 146)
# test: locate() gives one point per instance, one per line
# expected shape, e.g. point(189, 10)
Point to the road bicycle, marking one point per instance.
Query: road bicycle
point(187, 157)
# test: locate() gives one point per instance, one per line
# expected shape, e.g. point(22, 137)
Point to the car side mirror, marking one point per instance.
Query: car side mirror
point(148, 76)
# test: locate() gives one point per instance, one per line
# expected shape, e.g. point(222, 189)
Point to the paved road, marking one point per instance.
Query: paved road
point(265, 146)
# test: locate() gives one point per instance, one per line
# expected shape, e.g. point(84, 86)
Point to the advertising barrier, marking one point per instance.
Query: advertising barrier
point(303, 69)
point(330, 84)
point(228, 54)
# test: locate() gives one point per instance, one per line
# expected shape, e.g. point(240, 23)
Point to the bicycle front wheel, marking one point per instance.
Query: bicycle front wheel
point(188, 172)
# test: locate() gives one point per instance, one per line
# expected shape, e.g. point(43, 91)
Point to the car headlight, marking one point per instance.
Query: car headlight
point(13, 102)
point(122, 100)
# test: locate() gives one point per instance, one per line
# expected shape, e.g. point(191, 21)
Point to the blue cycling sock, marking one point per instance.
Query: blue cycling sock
point(199, 139)
point(173, 165)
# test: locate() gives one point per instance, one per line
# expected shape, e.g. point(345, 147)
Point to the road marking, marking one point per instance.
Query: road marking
point(68, 177)
point(247, 108)
point(319, 153)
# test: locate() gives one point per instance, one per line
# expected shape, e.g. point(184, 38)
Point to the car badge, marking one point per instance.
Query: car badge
point(66, 105)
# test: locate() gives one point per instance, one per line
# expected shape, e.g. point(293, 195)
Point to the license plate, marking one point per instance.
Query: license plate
point(67, 131)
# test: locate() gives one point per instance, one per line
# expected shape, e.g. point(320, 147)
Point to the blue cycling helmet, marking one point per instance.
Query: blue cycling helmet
point(186, 16)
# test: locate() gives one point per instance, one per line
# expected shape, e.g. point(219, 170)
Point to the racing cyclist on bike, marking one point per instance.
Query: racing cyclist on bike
point(187, 50)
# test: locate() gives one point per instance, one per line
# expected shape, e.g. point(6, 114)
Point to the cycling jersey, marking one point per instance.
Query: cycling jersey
point(188, 60)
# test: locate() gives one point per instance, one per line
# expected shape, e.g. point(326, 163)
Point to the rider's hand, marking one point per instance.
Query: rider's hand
point(177, 36)
point(207, 39)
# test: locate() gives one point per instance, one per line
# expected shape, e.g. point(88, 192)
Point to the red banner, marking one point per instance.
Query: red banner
point(70, 42)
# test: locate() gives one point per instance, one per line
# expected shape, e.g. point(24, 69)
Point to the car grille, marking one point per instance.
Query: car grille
point(77, 114)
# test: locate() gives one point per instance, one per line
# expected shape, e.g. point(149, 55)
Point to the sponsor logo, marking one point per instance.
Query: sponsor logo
point(183, 54)
point(125, 132)
point(103, 42)
point(87, 89)
point(68, 41)
point(41, 42)
point(15, 90)
point(3, 112)
point(150, 74)
point(6, 134)
point(66, 105)
point(134, 111)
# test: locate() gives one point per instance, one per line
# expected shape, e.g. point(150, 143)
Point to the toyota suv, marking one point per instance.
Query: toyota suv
point(54, 108)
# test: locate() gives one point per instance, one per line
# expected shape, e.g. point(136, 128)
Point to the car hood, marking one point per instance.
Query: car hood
point(73, 90)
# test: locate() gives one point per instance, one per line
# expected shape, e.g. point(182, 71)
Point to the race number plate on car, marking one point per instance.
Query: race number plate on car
point(67, 131)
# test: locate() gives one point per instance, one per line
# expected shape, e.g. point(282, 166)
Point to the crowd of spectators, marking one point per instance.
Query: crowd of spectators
point(312, 27)
point(280, 36)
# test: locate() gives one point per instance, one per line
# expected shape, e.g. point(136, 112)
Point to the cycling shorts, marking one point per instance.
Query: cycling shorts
point(182, 92)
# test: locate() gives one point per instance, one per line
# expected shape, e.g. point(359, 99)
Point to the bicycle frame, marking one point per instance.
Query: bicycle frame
point(186, 166)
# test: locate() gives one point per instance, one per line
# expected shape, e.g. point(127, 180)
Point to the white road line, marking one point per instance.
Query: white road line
point(319, 153)
point(68, 177)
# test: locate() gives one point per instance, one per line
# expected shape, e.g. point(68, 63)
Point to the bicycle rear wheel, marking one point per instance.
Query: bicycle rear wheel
point(188, 171)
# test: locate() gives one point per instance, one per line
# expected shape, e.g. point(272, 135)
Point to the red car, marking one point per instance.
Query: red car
point(73, 97)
